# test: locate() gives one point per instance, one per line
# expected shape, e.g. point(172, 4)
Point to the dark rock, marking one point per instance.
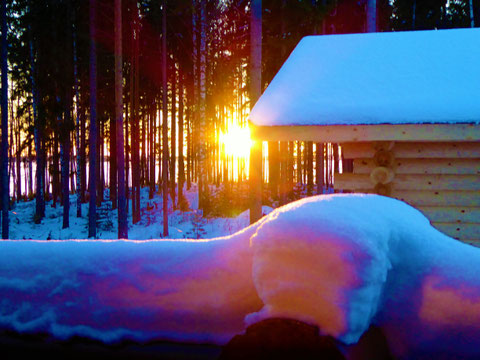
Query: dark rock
point(281, 339)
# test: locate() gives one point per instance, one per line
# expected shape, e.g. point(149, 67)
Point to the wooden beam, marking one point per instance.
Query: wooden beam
point(443, 150)
point(354, 133)
point(462, 232)
point(420, 198)
point(349, 181)
point(423, 166)
point(451, 214)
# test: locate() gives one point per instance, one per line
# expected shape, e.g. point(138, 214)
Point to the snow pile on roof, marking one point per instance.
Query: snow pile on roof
point(376, 78)
point(342, 262)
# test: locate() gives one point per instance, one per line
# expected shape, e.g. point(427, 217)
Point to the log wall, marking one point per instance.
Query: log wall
point(441, 179)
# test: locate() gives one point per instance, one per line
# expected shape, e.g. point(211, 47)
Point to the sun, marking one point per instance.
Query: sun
point(236, 141)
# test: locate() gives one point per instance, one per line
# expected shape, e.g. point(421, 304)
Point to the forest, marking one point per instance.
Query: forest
point(103, 98)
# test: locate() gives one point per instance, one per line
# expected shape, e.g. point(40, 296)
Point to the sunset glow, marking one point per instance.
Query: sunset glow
point(236, 141)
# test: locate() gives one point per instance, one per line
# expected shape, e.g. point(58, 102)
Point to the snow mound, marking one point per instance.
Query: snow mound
point(346, 262)
point(342, 262)
point(330, 272)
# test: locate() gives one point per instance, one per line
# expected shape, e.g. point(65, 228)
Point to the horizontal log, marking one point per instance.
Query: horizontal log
point(451, 214)
point(353, 133)
point(442, 150)
point(462, 232)
point(423, 166)
point(350, 181)
point(420, 198)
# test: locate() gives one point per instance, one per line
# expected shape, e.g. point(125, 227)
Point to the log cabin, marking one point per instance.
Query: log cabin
point(404, 108)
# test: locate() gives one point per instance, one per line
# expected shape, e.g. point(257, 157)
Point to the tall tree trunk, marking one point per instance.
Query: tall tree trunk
point(4, 106)
point(164, 120)
point(283, 172)
point(55, 167)
point(127, 151)
point(203, 190)
point(65, 165)
point(173, 136)
point(38, 140)
point(136, 128)
point(122, 207)
point(190, 91)
point(18, 159)
point(255, 91)
point(472, 17)
point(371, 15)
point(92, 213)
point(113, 161)
point(414, 14)
point(83, 149)
point(309, 165)
point(30, 170)
point(77, 124)
point(65, 127)
point(319, 159)
point(273, 168)
point(181, 163)
point(100, 161)
point(152, 154)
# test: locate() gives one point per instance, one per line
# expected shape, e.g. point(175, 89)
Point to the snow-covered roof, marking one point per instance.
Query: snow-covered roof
point(413, 77)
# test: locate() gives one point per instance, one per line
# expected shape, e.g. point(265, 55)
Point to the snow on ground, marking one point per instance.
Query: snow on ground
point(182, 225)
point(343, 262)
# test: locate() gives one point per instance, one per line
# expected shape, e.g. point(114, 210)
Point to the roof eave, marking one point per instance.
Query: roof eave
point(354, 133)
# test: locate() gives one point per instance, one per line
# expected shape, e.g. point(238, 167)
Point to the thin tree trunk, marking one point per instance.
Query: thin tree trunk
point(472, 17)
point(4, 105)
point(18, 159)
point(113, 160)
point(65, 131)
point(152, 154)
point(181, 163)
point(136, 128)
point(309, 165)
point(319, 167)
point(65, 160)
point(92, 214)
point(255, 91)
point(83, 155)
point(77, 125)
point(127, 155)
point(203, 190)
point(55, 166)
point(371, 15)
point(164, 120)
point(173, 137)
point(30, 170)
point(122, 207)
point(273, 168)
point(283, 172)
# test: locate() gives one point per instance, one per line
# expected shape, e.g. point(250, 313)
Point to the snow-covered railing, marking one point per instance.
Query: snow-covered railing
point(341, 262)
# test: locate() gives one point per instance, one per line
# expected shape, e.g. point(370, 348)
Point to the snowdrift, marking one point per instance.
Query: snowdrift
point(341, 262)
